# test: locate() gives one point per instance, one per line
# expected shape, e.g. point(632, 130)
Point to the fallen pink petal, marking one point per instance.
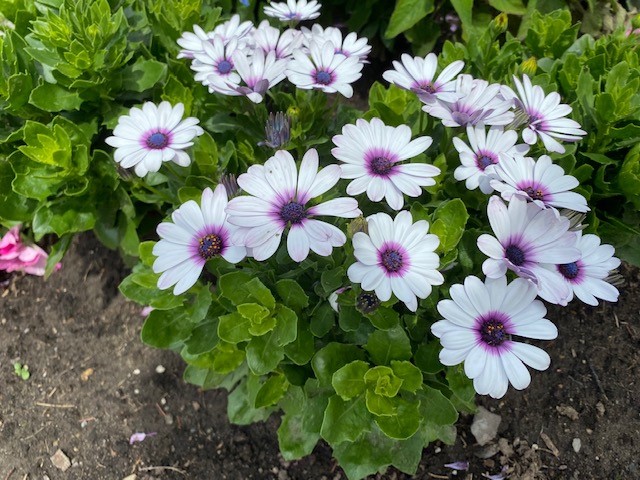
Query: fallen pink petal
point(140, 437)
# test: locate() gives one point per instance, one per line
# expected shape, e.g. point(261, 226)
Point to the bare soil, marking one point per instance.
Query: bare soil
point(93, 384)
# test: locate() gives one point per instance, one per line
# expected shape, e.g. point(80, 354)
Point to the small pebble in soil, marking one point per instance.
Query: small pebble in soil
point(136, 371)
point(168, 419)
point(485, 426)
point(576, 444)
point(160, 369)
point(60, 460)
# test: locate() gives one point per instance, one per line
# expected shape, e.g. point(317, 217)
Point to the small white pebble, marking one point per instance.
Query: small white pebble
point(83, 424)
point(163, 401)
point(437, 450)
point(160, 369)
point(136, 391)
point(26, 330)
point(136, 371)
point(576, 444)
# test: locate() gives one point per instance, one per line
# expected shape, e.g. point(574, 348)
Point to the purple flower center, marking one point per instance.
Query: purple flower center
point(484, 160)
point(515, 255)
point(157, 141)
point(323, 77)
point(293, 16)
point(381, 165)
point(225, 67)
point(493, 332)
point(569, 270)
point(293, 212)
point(391, 260)
point(210, 245)
point(428, 87)
point(534, 193)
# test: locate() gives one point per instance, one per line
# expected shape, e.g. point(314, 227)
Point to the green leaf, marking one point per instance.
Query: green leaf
point(410, 374)
point(234, 328)
point(58, 250)
point(292, 294)
point(436, 408)
point(143, 75)
point(345, 421)
point(427, 357)
point(204, 338)
point(348, 381)
point(462, 388)
point(161, 300)
point(264, 354)
point(380, 405)
point(331, 280)
point(349, 318)
point(64, 215)
point(404, 423)
point(449, 221)
point(240, 402)
point(53, 98)
point(387, 345)
point(382, 381)
point(166, 328)
point(302, 349)
point(384, 318)
point(226, 358)
point(331, 358)
point(286, 328)
point(240, 287)
point(271, 391)
point(406, 14)
point(322, 320)
point(514, 7)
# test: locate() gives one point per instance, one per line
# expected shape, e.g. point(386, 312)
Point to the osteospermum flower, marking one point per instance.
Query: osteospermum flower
point(214, 65)
point(545, 116)
point(526, 237)
point(587, 276)
point(419, 75)
point(324, 69)
point(191, 43)
point(269, 39)
point(396, 256)
point(477, 102)
point(478, 327)
point(348, 46)
point(540, 181)
point(197, 234)
point(233, 29)
point(483, 152)
point(154, 134)
point(293, 11)
point(278, 197)
point(257, 72)
point(372, 152)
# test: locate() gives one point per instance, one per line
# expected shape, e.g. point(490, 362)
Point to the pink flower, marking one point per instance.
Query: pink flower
point(16, 256)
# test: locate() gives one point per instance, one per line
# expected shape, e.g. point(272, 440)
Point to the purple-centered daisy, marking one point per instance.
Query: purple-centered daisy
point(484, 152)
point(197, 234)
point(191, 43)
point(234, 29)
point(269, 39)
point(153, 134)
point(477, 102)
point(293, 11)
point(418, 75)
point(478, 327)
point(371, 152)
point(545, 116)
point(324, 69)
point(525, 237)
point(587, 276)
point(396, 256)
point(348, 46)
point(215, 63)
point(278, 197)
point(541, 182)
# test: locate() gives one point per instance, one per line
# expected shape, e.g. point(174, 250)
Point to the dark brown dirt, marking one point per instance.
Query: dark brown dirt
point(77, 321)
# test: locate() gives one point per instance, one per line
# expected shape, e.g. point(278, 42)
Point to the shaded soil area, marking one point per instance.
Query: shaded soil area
point(93, 384)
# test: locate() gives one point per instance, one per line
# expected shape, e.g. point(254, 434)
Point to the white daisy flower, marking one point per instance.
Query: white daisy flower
point(215, 63)
point(477, 102)
point(372, 152)
point(278, 197)
point(269, 39)
point(396, 256)
point(484, 151)
point(586, 277)
point(233, 29)
point(259, 73)
point(153, 134)
point(419, 75)
point(293, 11)
point(546, 116)
point(541, 182)
point(191, 43)
point(324, 70)
point(197, 234)
point(348, 46)
point(478, 325)
point(526, 237)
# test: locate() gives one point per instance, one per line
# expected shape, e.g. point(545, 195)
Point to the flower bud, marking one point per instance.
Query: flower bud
point(367, 302)
point(529, 66)
point(356, 225)
point(499, 24)
point(277, 130)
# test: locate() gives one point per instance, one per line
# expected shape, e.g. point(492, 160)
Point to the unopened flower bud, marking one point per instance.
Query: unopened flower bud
point(277, 130)
point(230, 183)
point(358, 224)
point(499, 24)
point(367, 302)
point(529, 66)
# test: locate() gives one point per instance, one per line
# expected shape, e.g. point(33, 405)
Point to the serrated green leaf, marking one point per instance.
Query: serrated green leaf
point(54, 98)
point(348, 381)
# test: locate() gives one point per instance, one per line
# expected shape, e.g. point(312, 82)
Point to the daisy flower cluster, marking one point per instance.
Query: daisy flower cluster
point(533, 236)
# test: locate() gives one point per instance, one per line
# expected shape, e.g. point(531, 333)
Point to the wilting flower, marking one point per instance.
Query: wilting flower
point(197, 234)
point(348, 46)
point(269, 39)
point(259, 73)
point(418, 75)
point(15, 256)
point(278, 197)
point(293, 11)
point(215, 63)
point(545, 115)
point(541, 182)
point(372, 152)
point(277, 130)
point(526, 237)
point(396, 256)
point(324, 69)
point(484, 152)
point(587, 276)
point(478, 325)
point(477, 102)
point(154, 134)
